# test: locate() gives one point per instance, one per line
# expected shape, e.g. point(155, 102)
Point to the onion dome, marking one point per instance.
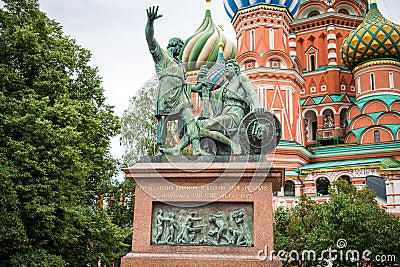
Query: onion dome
point(216, 75)
point(231, 6)
point(202, 47)
point(376, 38)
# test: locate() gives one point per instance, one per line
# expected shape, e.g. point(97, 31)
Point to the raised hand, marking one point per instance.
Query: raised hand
point(152, 13)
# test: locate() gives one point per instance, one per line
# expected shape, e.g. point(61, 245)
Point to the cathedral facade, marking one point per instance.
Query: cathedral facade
point(330, 72)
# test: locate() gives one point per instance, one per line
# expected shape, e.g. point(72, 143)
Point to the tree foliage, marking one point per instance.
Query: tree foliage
point(351, 220)
point(138, 134)
point(119, 204)
point(139, 118)
point(55, 130)
point(12, 230)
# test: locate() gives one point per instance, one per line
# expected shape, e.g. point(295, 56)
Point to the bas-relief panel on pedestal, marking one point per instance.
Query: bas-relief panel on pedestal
point(213, 224)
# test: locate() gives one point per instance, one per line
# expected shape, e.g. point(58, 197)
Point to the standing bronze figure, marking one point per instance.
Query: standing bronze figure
point(173, 96)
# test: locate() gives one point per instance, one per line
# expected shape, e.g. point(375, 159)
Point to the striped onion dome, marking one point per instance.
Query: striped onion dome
point(216, 75)
point(231, 6)
point(376, 38)
point(202, 47)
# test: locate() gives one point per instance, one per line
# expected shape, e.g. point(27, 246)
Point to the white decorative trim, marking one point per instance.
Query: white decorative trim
point(287, 88)
point(332, 64)
point(261, 69)
point(330, 28)
point(293, 53)
point(321, 112)
point(329, 175)
point(292, 36)
point(309, 190)
point(332, 55)
point(373, 129)
point(363, 173)
point(307, 110)
point(292, 44)
point(331, 36)
point(331, 46)
point(291, 106)
point(391, 80)
point(344, 107)
point(271, 39)
point(252, 40)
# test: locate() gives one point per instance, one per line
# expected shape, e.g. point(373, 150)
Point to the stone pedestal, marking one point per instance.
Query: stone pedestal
point(202, 214)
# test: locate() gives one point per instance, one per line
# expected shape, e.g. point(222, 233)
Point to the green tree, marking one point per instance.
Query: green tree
point(139, 118)
point(55, 131)
point(12, 230)
point(120, 200)
point(350, 221)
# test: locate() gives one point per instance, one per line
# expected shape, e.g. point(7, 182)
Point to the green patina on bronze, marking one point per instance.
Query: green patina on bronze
point(173, 100)
point(239, 123)
point(213, 224)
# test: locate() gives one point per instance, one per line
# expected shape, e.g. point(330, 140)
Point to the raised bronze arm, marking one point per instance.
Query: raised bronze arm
point(152, 15)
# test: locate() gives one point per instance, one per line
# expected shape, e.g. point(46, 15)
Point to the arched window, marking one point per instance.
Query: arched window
point(343, 121)
point(344, 11)
point(345, 178)
point(329, 119)
point(391, 80)
point(310, 122)
point(372, 81)
point(249, 64)
point(377, 136)
point(314, 128)
point(322, 185)
point(252, 40)
point(289, 188)
point(312, 62)
point(313, 13)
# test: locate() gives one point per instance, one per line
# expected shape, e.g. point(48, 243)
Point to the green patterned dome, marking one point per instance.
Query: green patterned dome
point(376, 38)
point(202, 46)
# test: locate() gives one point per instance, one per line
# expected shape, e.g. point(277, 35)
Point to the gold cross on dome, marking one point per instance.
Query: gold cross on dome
point(208, 4)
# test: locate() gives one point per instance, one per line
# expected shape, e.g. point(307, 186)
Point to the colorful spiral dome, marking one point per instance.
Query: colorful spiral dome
point(231, 6)
point(376, 38)
point(216, 75)
point(202, 47)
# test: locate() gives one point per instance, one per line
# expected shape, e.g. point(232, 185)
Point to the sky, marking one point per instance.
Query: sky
point(113, 30)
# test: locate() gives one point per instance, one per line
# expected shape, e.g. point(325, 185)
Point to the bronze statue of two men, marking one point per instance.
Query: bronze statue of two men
point(236, 99)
